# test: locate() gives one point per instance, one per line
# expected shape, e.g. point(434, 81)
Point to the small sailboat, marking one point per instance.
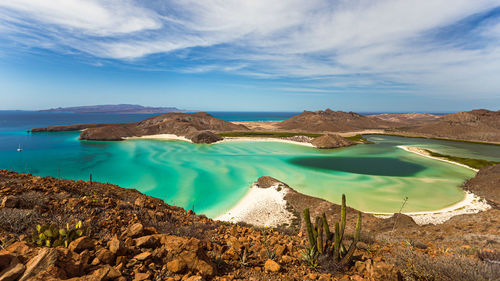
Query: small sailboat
point(19, 148)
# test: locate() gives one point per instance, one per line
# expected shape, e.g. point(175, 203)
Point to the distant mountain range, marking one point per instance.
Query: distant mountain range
point(114, 108)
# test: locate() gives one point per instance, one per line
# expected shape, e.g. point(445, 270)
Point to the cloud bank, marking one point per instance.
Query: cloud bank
point(441, 47)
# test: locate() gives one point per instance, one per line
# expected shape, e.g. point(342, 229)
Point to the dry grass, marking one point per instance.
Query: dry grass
point(417, 266)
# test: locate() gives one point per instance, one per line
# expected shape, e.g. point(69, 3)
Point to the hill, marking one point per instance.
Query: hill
point(331, 121)
point(475, 125)
point(113, 108)
point(193, 126)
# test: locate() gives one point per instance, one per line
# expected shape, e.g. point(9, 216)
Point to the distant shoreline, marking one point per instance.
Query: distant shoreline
point(423, 153)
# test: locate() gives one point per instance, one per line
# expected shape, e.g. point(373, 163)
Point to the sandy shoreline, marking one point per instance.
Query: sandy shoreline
point(257, 139)
point(471, 204)
point(228, 139)
point(423, 153)
point(265, 207)
point(161, 137)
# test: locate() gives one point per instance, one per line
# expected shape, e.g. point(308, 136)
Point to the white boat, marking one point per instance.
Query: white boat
point(19, 148)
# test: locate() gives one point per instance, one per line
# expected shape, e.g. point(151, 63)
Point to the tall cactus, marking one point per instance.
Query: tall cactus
point(328, 234)
point(342, 217)
point(347, 258)
point(310, 232)
point(319, 227)
point(336, 243)
point(323, 242)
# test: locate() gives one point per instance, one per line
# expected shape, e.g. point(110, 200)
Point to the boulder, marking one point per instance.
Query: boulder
point(116, 246)
point(82, 243)
point(135, 230)
point(272, 266)
point(176, 266)
point(331, 141)
point(149, 241)
point(205, 137)
point(106, 256)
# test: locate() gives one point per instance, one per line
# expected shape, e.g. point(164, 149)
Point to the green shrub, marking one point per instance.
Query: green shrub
point(50, 235)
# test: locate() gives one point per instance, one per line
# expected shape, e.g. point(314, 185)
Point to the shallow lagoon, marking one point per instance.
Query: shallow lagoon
point(213, 178)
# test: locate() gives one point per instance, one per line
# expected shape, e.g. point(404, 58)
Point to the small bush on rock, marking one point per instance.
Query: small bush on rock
point(50, 235)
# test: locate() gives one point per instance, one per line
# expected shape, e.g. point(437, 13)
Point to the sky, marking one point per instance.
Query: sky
point(259, 55)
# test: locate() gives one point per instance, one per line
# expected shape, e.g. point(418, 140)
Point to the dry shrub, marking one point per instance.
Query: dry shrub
point(417, 266)
point(17, 221)
point(30, 199)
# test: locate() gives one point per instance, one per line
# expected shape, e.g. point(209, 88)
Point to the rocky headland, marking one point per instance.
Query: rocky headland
point(198, 127)
point(476, 125)
point(131, 236)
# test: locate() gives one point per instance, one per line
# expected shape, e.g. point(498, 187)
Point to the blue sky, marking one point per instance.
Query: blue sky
point(359, 55)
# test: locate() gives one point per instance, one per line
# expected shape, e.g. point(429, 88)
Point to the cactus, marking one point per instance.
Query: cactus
point(323, 242)
point(50, 235)
point(310, 233)
point(319, 227)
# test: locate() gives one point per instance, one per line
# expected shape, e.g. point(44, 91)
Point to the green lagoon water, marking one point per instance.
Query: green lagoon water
point(213, 178)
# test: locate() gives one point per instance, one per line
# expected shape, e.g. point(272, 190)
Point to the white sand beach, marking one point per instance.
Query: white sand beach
point(162, 137)
point(471, 204)
point(257, 139)
point(424, 153)
point(228, 139)
point(265, 207)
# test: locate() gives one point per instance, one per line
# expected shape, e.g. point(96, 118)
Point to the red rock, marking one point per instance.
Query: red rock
point(142, 256)
point(135, 230)
point(149, 241)
point(176, 266)
point(272, 266)
point(13, 271)
point(141, 276)
point(116, 246)
point(106, 256)
point(82, 243)
point(46, 258)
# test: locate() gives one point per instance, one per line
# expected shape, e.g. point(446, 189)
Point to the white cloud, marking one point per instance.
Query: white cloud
point(91, 17)
point(352, 43)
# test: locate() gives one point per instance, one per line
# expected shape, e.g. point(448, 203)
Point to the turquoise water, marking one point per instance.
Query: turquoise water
point(213, 178)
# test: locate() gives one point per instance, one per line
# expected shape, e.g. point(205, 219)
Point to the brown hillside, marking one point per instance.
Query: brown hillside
point(475, 125)
point(331, 121)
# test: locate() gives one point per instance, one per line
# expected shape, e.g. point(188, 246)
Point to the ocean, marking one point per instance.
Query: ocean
point(213, 178)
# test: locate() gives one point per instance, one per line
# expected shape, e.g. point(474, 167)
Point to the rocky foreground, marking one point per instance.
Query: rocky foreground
point(131, 236)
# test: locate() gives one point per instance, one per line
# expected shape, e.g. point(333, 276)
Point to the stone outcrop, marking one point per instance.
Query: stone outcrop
point(331, 141)
point(205, 137)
